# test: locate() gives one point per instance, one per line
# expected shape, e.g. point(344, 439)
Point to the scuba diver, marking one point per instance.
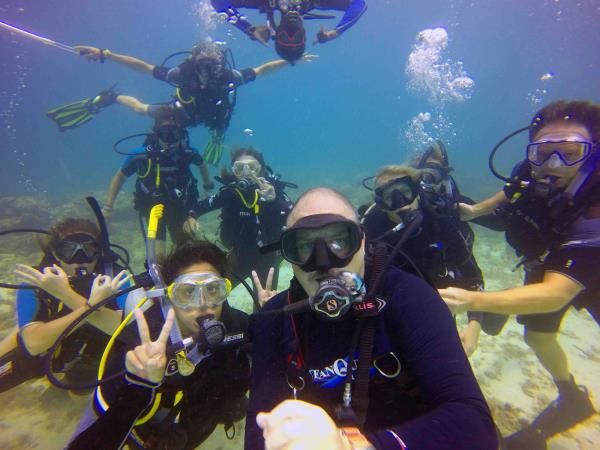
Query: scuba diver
point(440, 252)
point(73, 275)
point(375, 364)
point(163, 173)
point(253, 207)
point(206, 90)
point(161, 403)
point(289, 34)
point(553, 204)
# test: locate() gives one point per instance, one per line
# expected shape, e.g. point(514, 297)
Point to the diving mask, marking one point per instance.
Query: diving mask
point(199, 290)
point(78, 248)
point(170, 134)
point(246, 168)
point(396, 193)
point(558, 153)
point(320, 242)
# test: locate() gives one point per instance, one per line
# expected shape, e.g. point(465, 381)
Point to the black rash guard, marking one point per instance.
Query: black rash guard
point(435, 402)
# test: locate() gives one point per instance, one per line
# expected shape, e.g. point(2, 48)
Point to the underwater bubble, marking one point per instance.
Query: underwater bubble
point(430, 73)
point(249, 132)
point(547, 76)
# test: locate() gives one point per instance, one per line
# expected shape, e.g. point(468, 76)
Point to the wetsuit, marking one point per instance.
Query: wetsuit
point(213, 105)
point(433, 403)
point(248, 223)
point(164, 177)
point(186, 410)
point(80, 351)
point(353, 10)
point(568, 244)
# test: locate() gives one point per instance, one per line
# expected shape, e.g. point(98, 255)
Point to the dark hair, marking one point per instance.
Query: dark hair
point(67, 227)
point(580, 112)
point(168, 114)
point(193, 252)
point(236, 154)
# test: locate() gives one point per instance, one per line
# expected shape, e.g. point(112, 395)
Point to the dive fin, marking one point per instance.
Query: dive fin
point(78, 113)
point(214, 149)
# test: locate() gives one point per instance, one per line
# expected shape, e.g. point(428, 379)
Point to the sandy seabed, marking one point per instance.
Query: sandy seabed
point(37, 416)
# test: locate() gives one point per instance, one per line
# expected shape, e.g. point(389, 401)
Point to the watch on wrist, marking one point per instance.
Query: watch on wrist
point(357, 440)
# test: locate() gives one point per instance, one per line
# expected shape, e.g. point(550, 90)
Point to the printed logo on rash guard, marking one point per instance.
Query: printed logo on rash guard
point(334, 374)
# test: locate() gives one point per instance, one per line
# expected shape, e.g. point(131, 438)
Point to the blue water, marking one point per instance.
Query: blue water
point(344, 114)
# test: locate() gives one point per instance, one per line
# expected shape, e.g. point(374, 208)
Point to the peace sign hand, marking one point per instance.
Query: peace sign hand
point(264, 294)
point(149, 359)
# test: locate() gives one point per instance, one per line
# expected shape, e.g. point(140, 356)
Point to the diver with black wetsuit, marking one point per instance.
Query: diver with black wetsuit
point(164, 401)
point(439, 251)
point(289, 33)
point(254, 207)
point(206, 85)
point(552, 201)
point(64, 283)
point(162, 166)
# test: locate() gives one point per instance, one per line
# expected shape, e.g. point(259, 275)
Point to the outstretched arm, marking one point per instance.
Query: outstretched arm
point(113, 190)
point(273, 66)
point(134, 104)
point(234, 17)
point(97, 54)
point(485, 207)
point(353, 11)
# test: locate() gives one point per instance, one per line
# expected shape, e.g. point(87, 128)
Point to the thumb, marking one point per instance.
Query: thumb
point(262, 420)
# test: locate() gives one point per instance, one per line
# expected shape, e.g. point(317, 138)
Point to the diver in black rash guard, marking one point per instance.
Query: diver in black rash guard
point(69, 279)
point(289, 33)
point(253, 207)
point(205, 83)
point(422, 393)
point(186, 406)
point(553, 204)
point(162, 165)
point(441, 251)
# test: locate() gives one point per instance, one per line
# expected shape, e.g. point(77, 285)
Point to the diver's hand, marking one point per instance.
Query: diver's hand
point(191, 226)
point(266, 293)
point(466, 212)
point(53, 280)
point(469, 336)
point(325, 36)
point(90, 53)
point(297, 425)
point(148, 360)
point(261, 33)
point(105, 286)
point(266, 191)
point(456, 299)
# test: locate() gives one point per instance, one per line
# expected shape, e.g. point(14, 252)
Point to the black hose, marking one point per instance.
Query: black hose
point(126, 138)
point(49, 358)
point(249, 289)
point(496, 148)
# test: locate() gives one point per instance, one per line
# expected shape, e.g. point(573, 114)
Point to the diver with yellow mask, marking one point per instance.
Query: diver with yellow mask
point(167, 397)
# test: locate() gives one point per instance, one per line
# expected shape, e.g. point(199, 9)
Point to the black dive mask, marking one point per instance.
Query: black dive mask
point(336, 295)
point(210, 72)
point(320, 242)
point(396, 193)
point(78, 248)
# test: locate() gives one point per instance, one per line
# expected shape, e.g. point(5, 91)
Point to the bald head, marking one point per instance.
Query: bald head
point(322, 200)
